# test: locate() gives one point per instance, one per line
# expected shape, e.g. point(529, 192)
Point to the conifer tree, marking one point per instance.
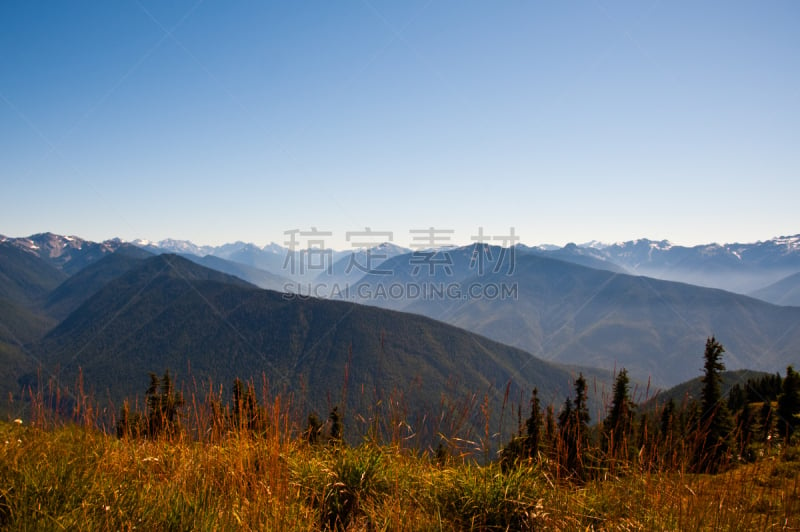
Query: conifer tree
point(565, 416)
point(246, 414)
point(163, 406)
point(715, 421)
point(736, 398)
point(314, 428)
point(619, 421)
point(667, 421)
point(573, 423)
point(336, 425)
point(789, 404)
point(534, 426)
point(581, 406)
point(527, 446)
point(130, 424)
point(745, 421)
point(549, 424)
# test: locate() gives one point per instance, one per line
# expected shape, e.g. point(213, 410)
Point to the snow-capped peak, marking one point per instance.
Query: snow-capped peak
point(662, 245)
point(790, 242)
point(594, 244)
point(272, 247)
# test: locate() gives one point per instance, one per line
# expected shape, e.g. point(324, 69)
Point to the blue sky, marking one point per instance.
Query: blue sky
point(568, 121)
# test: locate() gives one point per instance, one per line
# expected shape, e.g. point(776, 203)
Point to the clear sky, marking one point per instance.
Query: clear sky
point(219, 121)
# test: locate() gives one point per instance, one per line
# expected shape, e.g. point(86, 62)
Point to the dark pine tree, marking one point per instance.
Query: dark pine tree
point(336, 425)
point(549, 426)
point(789, 404)
point(667, 421)
point(314, 428)
point(525, 446)
point(745, 420)
point(533, 427)
point(573, 424)
point(582, 406)
point(246, 414)
point(619, 421)
point(715, 423)
point(736, 398)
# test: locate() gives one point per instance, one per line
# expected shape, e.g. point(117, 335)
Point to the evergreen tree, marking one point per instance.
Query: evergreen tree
point(667, 421)
point(314, 428)
point(550, 430)
point(642, 440)
point(534, 427)
point(130, 424)
point(565, 416)
point(736, 398)
point(581, 406)
point(715, 420)
point(619, 421)
point(163, 406)
point(789, 404)
point(527, 446)
point(336, 425)
point(573, 423)
point(246, 413)
point(745, 421)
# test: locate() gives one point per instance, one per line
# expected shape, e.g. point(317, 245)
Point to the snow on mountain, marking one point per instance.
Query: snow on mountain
point(224, 251)
point(272, 247)
point(387, 249)
point(791, 243)
point(594, 244)
point(540, 247)
point(737, 267)
point(184, 246)
point(67, 253)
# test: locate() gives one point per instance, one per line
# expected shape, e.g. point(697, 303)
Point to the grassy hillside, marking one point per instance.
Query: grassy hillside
point(75, 478)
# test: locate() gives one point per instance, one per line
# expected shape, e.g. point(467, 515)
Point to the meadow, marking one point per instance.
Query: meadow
point(215, 474)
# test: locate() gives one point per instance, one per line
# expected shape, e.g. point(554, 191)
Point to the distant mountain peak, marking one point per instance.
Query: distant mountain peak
point(594, 244)
point(272, 247)
point(790, 242)
point(384, 247)
point(662, 245)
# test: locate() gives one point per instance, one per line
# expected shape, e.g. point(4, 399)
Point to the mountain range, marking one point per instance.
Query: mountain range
point(737, 267)
point(574, 314)
point(745, 268)
point(740, 268)
point(586, 306)
point(131, 312)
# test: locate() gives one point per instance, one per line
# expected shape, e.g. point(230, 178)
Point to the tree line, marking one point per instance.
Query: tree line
point(705, 435)
point(164, 414)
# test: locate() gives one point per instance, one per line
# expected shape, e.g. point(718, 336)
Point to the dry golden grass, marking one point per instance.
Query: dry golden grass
point(75, 478)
